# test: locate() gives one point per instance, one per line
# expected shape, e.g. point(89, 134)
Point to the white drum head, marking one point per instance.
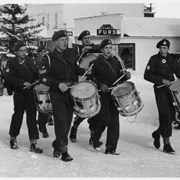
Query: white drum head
point(122, 89)
point(83, 90)
point(87, 59)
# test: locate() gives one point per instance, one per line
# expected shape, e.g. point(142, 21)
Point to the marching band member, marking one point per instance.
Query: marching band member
point(42, 117)
point(105, 71)
point(160, 70)
point(61, 73)
point(21, 72)
point(83, 50)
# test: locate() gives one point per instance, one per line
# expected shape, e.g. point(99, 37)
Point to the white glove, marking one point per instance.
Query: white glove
point(63, 87)
point(166, 82)
point(27, 85)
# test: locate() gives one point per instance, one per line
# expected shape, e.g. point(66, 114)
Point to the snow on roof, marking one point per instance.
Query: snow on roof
point(151, 27)
point(131, 26)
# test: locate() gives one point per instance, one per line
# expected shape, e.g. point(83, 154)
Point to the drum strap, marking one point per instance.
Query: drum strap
point(110, 67)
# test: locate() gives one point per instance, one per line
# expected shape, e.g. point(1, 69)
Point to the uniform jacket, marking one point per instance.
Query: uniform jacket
point(159, 68)
point(17, 73)
point(61, 67)
point(101, 72)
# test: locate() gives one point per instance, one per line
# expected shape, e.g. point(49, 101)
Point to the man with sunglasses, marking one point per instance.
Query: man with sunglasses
point(160, 70)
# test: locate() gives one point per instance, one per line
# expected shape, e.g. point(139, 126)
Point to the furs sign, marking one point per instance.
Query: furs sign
point(106, 29)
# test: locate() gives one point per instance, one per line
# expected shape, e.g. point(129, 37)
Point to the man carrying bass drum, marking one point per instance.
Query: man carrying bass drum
point(105, 71)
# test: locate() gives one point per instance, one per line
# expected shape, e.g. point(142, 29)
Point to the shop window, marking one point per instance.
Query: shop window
point(127, 53)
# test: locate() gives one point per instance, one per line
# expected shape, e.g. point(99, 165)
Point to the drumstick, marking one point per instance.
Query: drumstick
point(32, 84)
point(108, 88)
point(119, 79)
point(163, 85)
point(86, 72)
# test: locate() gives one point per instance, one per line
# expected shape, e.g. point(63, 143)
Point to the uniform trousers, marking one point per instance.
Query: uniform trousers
point(63, 112)
point(24, 101)
point(108, 117)
point(92, 122)
point(166, 111)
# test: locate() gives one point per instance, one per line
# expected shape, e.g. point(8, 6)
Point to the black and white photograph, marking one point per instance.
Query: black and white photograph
point(90, 89)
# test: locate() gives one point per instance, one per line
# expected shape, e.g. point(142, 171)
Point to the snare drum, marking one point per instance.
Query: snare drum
point(86, 99)
point(42, 98)
point(126, 99)
point(175, 91)
point(86, 61)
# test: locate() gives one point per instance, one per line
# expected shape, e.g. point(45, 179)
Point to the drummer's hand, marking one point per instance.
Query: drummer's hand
point(128, 75)
point(104, 88)
point(166, 82)
point(63, 87)
point(86, 48)
point(27, 85)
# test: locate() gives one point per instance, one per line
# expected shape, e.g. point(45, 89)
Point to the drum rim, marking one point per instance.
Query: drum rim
point(128, 82)
point(96, 91)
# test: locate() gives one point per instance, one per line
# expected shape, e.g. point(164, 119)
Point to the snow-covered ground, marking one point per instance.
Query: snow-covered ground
point(138, 157)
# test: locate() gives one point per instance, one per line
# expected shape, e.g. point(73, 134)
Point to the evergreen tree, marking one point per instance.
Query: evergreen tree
point(15, 25)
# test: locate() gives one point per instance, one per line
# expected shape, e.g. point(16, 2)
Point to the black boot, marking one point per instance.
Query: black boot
point(111, 152)
point(73, 134)
point(177, 125)
point(66, 157)
point(34, 148)
point(13, 144)
point(168, 149)
point(50, 121)
point(56, 152)
point(45, 133)
point(90, 139)
point(156, 137)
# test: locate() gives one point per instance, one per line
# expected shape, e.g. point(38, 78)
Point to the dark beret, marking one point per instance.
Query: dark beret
point(59, 34)
point(18, 45)
point(163, 42)
point(84, 33)
point(40, 48)
point(104, 43)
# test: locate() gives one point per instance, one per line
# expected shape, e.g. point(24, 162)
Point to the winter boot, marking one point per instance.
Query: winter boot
point(73, 134)
point(50, 121)
point(34, 148)
point(90, 139)
point(66, 157)
point(156, 137)
point(45, 133)
point(168, 149)
point(56, 152)
point(13, 143)
point(111, 152)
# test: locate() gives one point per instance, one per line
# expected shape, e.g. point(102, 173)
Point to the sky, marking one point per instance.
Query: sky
point(163, 8)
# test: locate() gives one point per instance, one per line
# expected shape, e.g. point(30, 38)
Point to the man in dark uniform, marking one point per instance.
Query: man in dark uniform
point(61, 73)
point(22, 73)
point(105, 71)
point(43, 118)
point(160, 70)
point(82, 50)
